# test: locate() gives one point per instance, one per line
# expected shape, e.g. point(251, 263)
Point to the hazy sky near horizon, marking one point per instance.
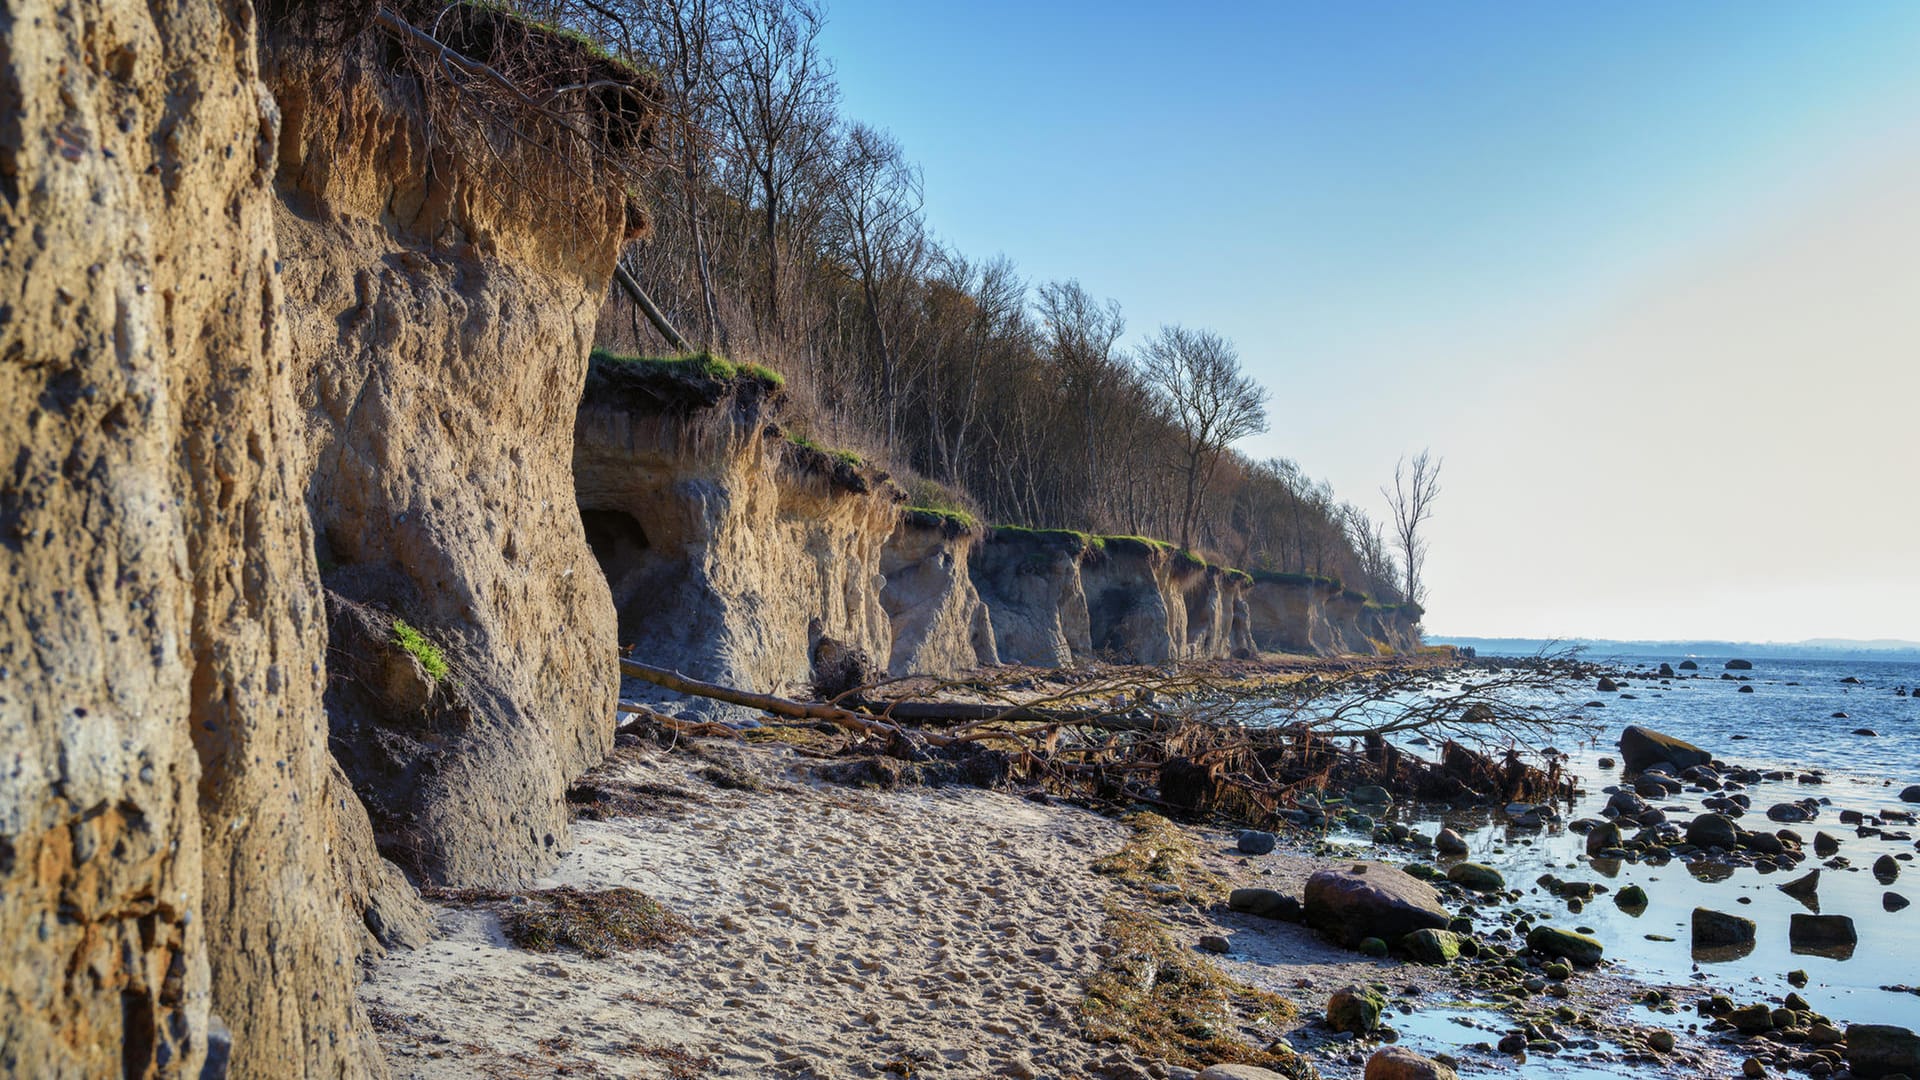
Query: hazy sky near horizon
point(1646, 275)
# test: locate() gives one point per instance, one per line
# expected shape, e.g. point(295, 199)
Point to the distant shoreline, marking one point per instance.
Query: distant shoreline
point(1818, 649)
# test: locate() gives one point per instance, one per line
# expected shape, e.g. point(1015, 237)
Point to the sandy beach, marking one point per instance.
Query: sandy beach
point(848, 932)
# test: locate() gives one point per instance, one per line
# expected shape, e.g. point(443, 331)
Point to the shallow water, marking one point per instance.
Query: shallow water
point(1779, 726)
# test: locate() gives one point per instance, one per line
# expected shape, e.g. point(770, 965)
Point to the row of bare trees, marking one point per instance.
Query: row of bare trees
point(792, 235)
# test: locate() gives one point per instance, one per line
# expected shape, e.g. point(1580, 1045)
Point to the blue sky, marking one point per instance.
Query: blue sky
point(1424, 222)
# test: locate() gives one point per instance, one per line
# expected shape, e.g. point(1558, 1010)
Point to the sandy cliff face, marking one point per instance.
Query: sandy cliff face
point(1218, 618)
point(441, 318)
point(939, 623)
point(165, 812)
point(728, 549)
point(1031, 584)
point(1290, 616)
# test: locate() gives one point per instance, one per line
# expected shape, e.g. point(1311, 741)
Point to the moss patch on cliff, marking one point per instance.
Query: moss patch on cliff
point(1160, 999)
point(431, 659)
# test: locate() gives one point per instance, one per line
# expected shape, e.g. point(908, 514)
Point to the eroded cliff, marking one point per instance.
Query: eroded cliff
point(441, 296)
point(730, 550)
point(171, 843)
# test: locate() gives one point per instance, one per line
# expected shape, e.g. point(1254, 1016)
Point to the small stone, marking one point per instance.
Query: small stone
point(1893, 901)
point(1372, 946)
point(1214, 943)
point(1796, 977)
point(1449, 842)
point(1566, 944)
point(1752, 1019)
point(1660, 1041)
point(1885, 869)
point(1753, 1068)
point(1255, 842)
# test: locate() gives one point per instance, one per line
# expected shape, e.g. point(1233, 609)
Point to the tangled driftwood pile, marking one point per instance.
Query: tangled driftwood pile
point(1195, 742)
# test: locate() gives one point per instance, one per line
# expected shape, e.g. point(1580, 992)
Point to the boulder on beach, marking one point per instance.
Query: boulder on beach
point(1606, 685)
point(1266, 903)
point(1632, 899)
point(1824, 845)
point(1885, 869)
point(1371, 900)
point(1893, 901)
point(1875, 1050)
point(1256, 842)
point(1400, 1063)
point(1641, 747)
point(1688, 665)
point(1356, 1009)
point(1565, 944)
point(1449, 842)
point(1713, 830)
point(1739, 665)
point(1911, 793)
point(1717, 929)
point(1666, 671)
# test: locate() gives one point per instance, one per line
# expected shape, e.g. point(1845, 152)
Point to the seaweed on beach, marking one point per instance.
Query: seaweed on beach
point(1160, 854)
point(596, 922)
point(1161, 1000)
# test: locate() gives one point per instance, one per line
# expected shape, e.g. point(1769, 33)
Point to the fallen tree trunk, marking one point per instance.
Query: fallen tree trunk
point(768, 703)
point(948, 714)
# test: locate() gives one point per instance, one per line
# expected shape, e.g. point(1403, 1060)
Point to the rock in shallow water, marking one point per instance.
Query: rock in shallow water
point(1641, 747)
point(1825, 935)
point(1566, 944)
point(1476, 876)
point(1717, 929)
point(1875, 1050)
point(1713, 830)
point(1449, 842)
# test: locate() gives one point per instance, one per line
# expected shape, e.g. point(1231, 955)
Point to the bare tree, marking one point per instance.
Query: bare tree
point(779, 102)
point(1416, 484)
point(1196, 373)
point(874, 224)
point(1368, 539)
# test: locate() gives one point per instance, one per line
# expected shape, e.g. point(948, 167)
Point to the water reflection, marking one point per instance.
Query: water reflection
point(1709, 872)
point(1720, 954)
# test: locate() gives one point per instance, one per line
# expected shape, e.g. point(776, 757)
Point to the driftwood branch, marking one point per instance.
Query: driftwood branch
point(768, 703)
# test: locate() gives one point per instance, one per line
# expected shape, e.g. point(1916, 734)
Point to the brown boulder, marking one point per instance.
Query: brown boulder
point(1371, 900)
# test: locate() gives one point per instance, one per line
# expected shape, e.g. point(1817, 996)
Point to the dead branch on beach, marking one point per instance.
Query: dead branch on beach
point(1202, 740)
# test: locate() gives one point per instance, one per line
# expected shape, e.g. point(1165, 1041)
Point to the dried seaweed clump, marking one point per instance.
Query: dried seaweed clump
point(1161, 1000)
point(598, 923)
point(1162, 861)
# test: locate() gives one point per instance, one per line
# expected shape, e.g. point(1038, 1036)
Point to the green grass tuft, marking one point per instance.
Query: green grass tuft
point(1279, 577)
point(416, 644)
point(845, 457)
point(941, 517)
point(1069, 539)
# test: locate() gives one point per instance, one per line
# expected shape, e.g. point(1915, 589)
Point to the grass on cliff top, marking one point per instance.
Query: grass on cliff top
point(845, 457)
point(594, 48)
point(1161, 999)
point(696, 365)
point(598, 923)
point(1070, 539)
point(934, 505)
point(1160, 853)
point(432, 660)
point(1281, 577)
